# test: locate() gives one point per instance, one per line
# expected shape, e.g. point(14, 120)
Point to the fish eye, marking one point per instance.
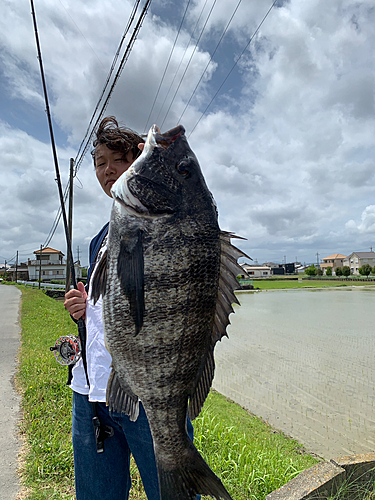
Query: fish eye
point(183, 168)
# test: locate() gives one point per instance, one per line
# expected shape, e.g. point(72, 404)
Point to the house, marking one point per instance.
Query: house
point(335, 260)
point(357, 259)
point(51, 264)
point(255, 271)
point(22, 272)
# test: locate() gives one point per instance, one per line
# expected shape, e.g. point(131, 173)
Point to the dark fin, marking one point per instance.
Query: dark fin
point(229, 269)
point(99, 280)
point(130, 270)
point(203, 386)
point(190, 479)
point(120, 400)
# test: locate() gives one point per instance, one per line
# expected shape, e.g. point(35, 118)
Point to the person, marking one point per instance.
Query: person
point(106, 476)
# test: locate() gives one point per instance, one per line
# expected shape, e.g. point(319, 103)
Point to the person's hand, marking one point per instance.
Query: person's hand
point(75, 301)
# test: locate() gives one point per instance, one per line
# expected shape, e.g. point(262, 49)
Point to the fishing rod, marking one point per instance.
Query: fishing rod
point(67, 349)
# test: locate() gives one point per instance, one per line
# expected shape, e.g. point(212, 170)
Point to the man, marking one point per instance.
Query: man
point(106, 476)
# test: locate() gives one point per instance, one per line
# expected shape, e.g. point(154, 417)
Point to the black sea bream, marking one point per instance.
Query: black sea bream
point(167, 288)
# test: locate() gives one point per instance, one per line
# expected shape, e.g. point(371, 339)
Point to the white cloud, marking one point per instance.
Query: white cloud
point(287, 152)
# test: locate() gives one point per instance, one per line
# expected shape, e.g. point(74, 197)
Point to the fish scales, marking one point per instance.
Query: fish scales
point(163, 274)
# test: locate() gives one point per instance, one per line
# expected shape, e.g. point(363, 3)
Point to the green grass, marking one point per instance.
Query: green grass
point(246, 453)
point(281, 284)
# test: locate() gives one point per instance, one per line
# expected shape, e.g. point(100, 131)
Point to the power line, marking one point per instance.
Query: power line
point(234, 65)
point(117, 76)
point(88, 134)
point(209, 62)
point(188, 64)
point(130, 22)
point(167, 65)
point(182, 58)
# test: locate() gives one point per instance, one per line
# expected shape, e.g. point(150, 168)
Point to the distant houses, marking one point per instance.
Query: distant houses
point(358, 259)
point(333, 261)
point(355, 261)
point(49, 263)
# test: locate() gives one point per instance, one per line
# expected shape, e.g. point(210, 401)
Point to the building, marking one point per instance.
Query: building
point(335, 260)
point(357, 259)
point(51, 264)
point(254, 271)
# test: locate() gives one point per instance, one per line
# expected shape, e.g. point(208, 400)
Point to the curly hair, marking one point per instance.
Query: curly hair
point(116, 138)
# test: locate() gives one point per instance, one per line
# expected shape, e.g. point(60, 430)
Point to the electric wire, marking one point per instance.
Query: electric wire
point(234, 65)
point(209, 62)
point(188, 64)
point(87, 135)
point(182, 58)
point(130, 22)
point(167, 65)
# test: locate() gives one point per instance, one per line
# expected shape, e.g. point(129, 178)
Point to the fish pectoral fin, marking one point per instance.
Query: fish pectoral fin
point(203, 386)
point(121, 399)
point(99, 280)
point(130, 271)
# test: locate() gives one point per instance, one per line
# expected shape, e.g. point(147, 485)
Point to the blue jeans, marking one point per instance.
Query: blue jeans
point(106, 476)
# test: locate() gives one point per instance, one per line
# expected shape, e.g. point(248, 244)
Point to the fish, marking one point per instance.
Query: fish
point(167, 280)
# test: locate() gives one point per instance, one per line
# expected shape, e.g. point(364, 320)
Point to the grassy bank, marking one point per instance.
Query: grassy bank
point(249, 456)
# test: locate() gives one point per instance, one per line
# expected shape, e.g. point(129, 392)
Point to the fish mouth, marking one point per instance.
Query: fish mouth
point(156, 139)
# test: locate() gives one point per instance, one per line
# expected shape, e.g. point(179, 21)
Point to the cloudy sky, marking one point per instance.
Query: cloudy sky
point(286, 146)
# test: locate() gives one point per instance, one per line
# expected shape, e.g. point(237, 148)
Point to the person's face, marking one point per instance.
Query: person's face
point(109, 165)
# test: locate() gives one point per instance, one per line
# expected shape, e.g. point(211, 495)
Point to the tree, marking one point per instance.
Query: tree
point(346, 271)
point(365, 270)
point(338, 271)
point(319, 272)
point(329, 271)
point(311, 271)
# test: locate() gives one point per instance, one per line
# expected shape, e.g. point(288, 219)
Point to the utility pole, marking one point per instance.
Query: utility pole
point(16, 266)
point(70, 224)
point(78, 252)
point(5, 271)
point(40, 265)
point(317, 259)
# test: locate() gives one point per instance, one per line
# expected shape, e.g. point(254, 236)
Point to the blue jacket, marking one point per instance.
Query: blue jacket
point(94, 248)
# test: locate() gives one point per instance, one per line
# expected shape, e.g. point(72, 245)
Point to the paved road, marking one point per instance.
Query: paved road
point(9, 399)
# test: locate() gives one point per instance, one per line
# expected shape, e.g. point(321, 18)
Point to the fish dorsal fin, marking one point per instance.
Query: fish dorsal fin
point(99, 280)
point(229, 270)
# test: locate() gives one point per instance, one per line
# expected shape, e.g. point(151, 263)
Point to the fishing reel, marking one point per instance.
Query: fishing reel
point(67, 350)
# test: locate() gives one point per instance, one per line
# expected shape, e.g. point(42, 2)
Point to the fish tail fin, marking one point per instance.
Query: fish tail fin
point(190, 478)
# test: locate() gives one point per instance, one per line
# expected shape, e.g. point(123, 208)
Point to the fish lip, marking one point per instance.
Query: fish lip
point(168, 138)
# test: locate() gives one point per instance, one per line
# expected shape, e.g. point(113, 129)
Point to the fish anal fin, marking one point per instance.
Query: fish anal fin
point(99, 280)
point(130, 271)
point(121, 399)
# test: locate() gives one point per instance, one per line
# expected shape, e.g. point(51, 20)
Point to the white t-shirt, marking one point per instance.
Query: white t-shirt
point(98, 358)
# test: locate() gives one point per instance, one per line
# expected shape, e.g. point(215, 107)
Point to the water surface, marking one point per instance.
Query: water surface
point(303, 360)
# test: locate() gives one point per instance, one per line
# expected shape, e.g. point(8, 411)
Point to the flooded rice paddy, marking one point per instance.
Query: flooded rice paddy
point(304, 360)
